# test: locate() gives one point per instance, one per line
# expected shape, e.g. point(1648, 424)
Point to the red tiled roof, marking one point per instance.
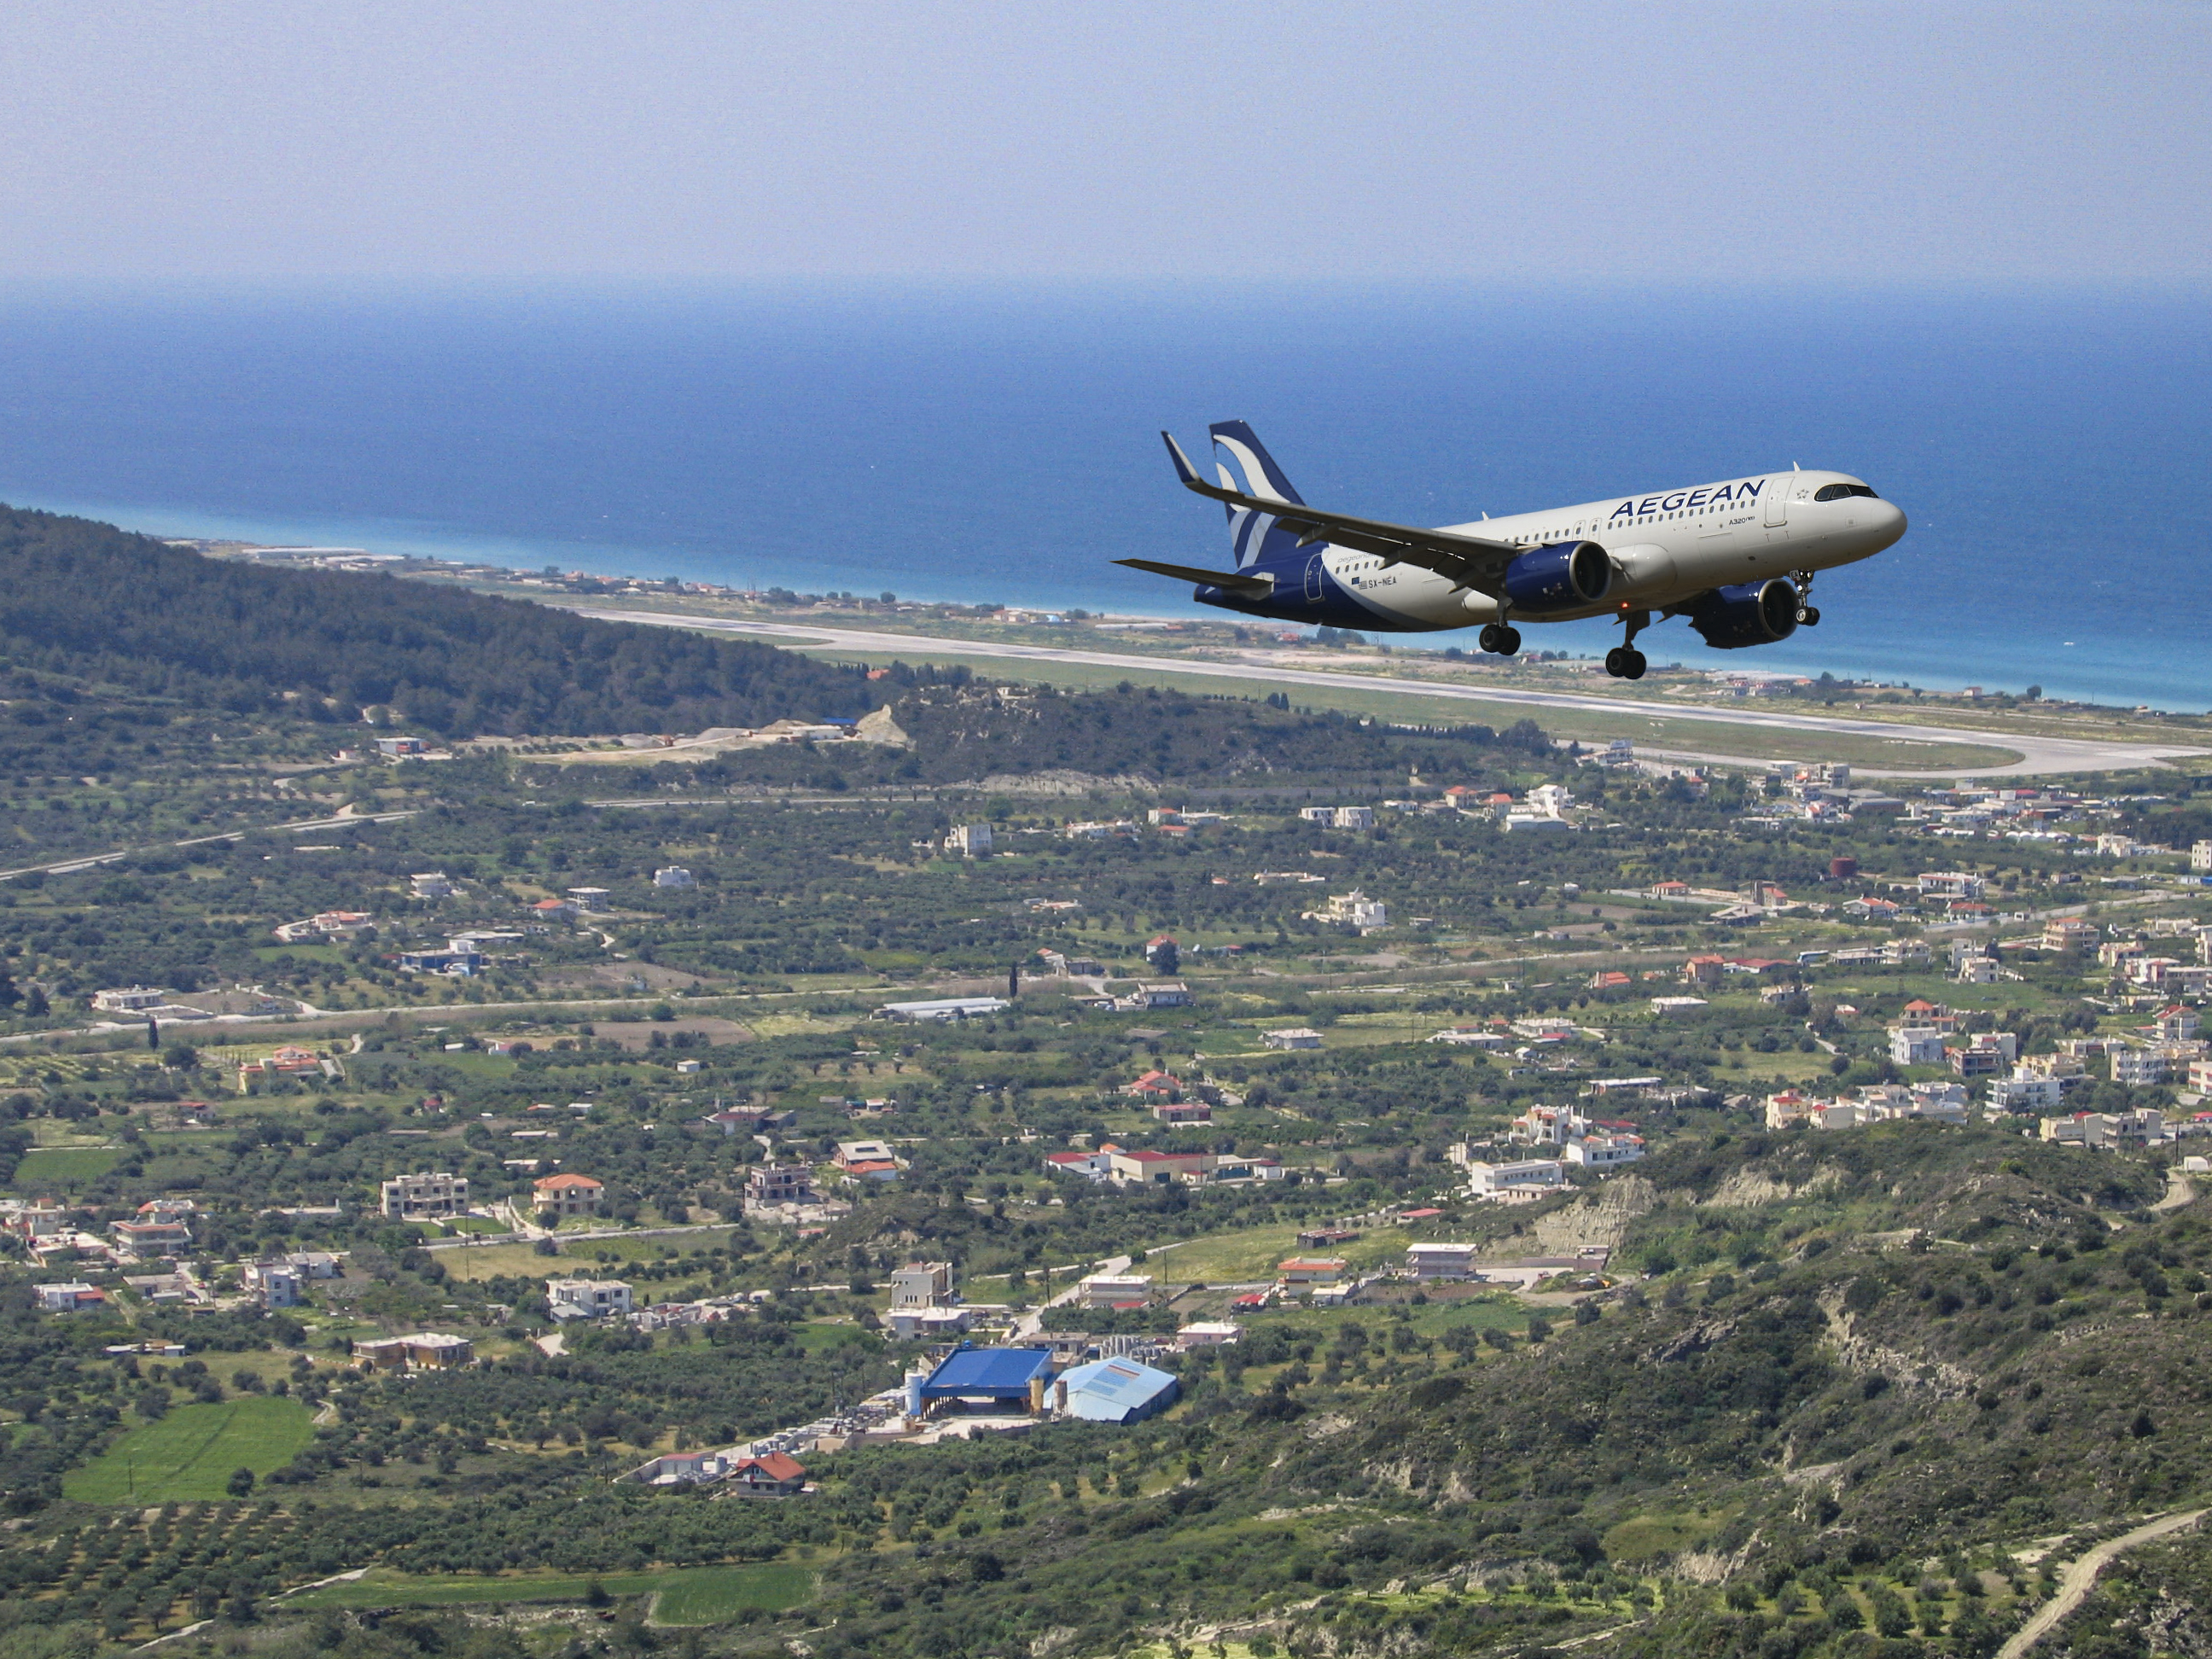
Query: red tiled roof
point(776, 1465)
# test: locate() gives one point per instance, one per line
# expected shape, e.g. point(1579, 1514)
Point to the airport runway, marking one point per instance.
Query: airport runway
point(2039, 755)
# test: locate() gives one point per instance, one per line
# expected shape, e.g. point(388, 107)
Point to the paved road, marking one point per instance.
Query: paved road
point(531, 1235)
point(2039, 755)
point(341, 820)
point(2078, 1579)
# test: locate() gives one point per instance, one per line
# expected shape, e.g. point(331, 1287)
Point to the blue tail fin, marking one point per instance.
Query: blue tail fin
point(1263, 478)
point(1249, 532)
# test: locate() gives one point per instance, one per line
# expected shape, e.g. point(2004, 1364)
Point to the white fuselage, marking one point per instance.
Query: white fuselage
point(1665, 548)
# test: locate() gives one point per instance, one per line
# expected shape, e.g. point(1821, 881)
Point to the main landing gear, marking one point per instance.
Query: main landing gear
point(1808, 614)
point(1625, 661)
point(1499, 638)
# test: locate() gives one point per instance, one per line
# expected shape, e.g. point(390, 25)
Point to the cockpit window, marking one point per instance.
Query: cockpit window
point(1836, 492)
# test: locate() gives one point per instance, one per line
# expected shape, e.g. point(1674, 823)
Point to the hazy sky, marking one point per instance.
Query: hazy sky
point(1551, 141)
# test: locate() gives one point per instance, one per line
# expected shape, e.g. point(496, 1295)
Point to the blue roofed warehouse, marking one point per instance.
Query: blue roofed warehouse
point(969, 1377)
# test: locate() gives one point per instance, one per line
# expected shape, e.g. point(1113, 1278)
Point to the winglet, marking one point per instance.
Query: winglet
point(1184, 470)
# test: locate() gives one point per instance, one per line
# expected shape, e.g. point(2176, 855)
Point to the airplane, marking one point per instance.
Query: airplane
point(1737, 558)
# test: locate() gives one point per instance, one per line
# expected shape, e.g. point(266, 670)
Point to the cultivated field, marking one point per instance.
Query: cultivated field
point(191, 1455)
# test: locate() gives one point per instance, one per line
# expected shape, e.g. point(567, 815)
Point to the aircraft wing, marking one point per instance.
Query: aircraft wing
point(1259, 586)
point(1468, 560)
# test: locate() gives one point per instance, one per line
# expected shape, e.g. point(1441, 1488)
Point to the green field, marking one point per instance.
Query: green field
point(687, 1595)
point(1250, 1255)
point(64, 1166)
point(190, 1454)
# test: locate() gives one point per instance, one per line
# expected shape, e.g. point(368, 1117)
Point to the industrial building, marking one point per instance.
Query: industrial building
point(982, 1379)
point(1114, 1391)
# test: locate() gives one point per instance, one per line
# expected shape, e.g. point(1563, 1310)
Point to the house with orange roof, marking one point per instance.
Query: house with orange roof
point(566, 1194)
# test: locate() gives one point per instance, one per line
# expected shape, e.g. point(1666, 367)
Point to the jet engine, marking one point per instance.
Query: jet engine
point(1749, 613)
point(1558, 576)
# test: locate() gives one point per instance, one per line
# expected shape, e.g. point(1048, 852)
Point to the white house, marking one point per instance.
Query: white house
point(1603, 1152)
point(1495, 1180)
point(587, 1298)
point(2024, 1091)
point(969, 841)
point(129, 999)
point(1916, 1045)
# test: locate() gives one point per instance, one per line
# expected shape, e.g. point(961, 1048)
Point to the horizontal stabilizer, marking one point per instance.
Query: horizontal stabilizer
point(1258, 586)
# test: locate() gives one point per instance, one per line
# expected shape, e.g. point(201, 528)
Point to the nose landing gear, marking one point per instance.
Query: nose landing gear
point(1499, 638)
point(1625, 661)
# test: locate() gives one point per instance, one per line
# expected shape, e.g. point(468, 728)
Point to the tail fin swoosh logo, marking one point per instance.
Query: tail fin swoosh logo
point(1263, 478)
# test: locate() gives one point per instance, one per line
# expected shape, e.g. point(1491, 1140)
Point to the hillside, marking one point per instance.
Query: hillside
point(126, 612)
point(1877, 1365)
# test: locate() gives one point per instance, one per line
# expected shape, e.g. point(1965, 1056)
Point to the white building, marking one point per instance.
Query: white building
point(432, 884)
point(2155, 1064)
point(587, 1298)
point(2200, 857)
point(1292, 1036)
point(1208, 1334)
point(272, 1284)
point(591, 899)
point(1356, 908)
point(922, 1285)
point(1340, 818)
point(437, 1196)
point(1551, 801)
point(129, 998)
point(928, 1324)
point(1916, 1045)
point(1950, 884)
point(1603, 1152)
point(2024, 1091)
point(1165, 994)
point(945, 1008)
point(1111, 1290)
point(674, 875)
point(1526, 1175)
point(969, 841)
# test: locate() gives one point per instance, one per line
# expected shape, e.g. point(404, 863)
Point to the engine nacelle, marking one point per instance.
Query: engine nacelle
point(1558, 576)
point(1749, 613)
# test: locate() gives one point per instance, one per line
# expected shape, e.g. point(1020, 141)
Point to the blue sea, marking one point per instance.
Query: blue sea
point(998, 442)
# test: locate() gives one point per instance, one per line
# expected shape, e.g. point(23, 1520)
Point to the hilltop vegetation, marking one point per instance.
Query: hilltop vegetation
point(126, 613)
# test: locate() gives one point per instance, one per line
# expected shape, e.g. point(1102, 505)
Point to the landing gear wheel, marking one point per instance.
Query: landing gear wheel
point(1810, 617)
point(1507, 642)
point(1613, 660)
point(1488, 638)
point(1632, 664)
